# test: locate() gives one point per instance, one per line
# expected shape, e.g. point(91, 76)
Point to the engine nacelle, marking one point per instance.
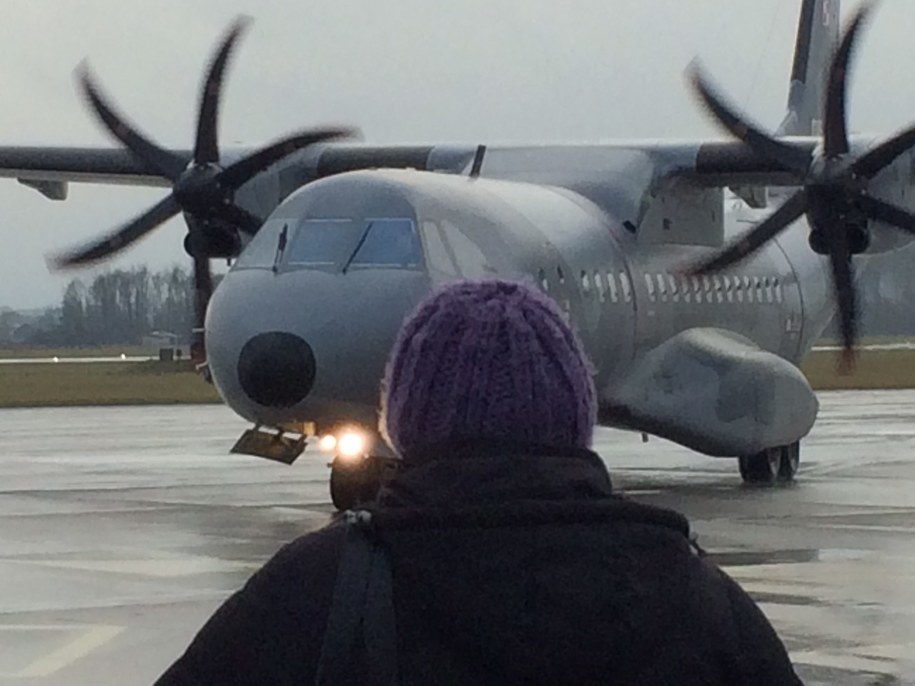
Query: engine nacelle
point(857, 234)
point(214, 240)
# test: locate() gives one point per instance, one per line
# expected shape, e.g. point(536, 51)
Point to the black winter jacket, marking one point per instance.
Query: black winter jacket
point(507, 569)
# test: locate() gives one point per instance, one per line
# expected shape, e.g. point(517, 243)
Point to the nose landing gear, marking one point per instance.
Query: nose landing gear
point(771, 465)
point(356, 480)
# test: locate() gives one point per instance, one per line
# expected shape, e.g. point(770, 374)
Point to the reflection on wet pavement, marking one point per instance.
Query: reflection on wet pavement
point(122, 529)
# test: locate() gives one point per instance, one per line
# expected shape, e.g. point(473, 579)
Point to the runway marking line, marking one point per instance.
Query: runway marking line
point(91, 638)
point(854, 663)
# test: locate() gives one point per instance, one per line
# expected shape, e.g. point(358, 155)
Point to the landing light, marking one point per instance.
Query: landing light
point(351, 444)
point(327, 443)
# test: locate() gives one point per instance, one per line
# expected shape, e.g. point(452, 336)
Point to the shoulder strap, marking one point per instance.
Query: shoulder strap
point(360, 639)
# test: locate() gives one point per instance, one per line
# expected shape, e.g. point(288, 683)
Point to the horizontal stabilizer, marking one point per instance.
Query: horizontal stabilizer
point(714, 392)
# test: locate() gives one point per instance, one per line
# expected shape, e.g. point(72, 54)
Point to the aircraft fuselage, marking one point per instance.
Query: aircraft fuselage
point(341, 262)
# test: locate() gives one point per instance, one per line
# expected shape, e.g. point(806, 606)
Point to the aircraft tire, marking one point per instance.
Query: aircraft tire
point(762, 468)
point(790, 462)
point(353, 482)
point(347, 482)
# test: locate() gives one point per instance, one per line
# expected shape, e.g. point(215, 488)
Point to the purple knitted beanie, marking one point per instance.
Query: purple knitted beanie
point(484, 360)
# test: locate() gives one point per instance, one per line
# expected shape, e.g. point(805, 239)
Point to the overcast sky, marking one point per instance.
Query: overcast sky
point(416, 71)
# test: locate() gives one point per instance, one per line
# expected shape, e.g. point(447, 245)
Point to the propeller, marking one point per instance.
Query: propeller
point(835, 191)
point(202, 189)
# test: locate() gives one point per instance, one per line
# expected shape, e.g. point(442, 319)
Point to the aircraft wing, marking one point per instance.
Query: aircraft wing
point(706, 163)
point(49, 169)
point(730, 163)
point(92, 165)
point(713, 391)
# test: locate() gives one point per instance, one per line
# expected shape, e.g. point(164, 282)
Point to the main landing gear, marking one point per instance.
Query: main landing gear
point(771, 465)
point(357, 479)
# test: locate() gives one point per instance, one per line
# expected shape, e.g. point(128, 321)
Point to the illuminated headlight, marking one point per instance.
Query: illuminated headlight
point(327, 443)
point(351, 444)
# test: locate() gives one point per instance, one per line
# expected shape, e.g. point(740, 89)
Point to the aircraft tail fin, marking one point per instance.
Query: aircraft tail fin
point(817, 38)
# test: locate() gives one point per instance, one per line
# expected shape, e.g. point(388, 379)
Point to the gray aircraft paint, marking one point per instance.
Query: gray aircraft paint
point(818, 31)
point(606, 230)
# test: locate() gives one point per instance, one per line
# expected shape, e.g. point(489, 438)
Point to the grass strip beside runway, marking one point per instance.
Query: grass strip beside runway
point(875, 369)
point(103, 383)
point(162, 383)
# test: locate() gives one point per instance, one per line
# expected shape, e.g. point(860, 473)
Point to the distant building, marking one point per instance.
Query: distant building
point(167, 344)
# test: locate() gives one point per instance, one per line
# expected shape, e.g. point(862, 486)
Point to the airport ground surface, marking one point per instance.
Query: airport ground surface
point(121, 529)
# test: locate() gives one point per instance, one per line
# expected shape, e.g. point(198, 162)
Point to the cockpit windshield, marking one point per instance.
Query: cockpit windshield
point(321, 242)
point(388, 243)
point(348, 244)
point(336, 244)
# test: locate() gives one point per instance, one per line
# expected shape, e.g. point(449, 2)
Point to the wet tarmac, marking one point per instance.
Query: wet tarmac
point(121, 530)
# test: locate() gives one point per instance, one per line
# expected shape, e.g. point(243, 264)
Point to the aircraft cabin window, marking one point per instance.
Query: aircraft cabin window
point(662, 287)
point(599, 285)
point(649, 283)
point(625, 286)
point(719, 289)
point(767, 286)
point(389, 243)
point(697, 288)
point(544, 284)
point(585, 282)
point(685, 289)
point(561, 275)
point(777, 287)
point(673, 287)
point(738, 289)
point(748, 288)
point(728, 293)
point(611, 286)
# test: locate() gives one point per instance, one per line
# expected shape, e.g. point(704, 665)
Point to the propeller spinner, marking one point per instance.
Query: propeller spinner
point(834, 194)
point(202, 189)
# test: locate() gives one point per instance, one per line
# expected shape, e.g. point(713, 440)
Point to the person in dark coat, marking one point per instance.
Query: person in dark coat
point(498, 553)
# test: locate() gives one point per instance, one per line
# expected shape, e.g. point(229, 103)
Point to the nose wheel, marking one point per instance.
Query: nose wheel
point(357, 480)
point(779, 464)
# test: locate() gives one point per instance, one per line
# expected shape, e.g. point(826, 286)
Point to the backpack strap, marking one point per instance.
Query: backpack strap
point(360, 641)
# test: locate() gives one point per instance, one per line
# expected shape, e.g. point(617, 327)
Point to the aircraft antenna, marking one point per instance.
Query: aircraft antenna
point(477, 161)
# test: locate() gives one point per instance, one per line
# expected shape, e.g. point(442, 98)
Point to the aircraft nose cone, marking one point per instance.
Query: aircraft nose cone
point(276, 369)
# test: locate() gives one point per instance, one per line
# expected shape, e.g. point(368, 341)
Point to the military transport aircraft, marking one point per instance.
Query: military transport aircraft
point(694, 318)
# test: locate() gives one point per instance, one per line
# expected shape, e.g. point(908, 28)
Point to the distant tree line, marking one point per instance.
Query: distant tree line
point(120, 307)
point(886, 296)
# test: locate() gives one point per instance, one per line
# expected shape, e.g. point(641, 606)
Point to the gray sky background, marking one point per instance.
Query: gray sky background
point(421, 71)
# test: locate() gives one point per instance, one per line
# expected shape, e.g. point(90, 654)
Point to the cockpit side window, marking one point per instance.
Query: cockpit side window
point(261, 252)
point(388, 243)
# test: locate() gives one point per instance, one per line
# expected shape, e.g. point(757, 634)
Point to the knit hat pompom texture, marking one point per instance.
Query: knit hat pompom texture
point(482, 360)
